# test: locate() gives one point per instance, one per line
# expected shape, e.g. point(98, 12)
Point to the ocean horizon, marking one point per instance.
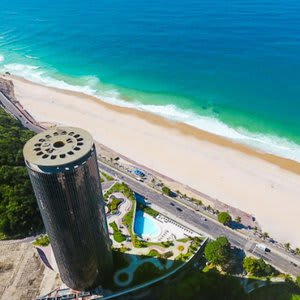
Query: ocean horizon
point(229, 67)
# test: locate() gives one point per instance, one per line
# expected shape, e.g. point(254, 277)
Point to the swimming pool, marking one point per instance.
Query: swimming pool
point(144, 226)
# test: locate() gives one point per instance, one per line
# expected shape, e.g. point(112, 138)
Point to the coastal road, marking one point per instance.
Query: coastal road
point(204, 224)
point(21, 114)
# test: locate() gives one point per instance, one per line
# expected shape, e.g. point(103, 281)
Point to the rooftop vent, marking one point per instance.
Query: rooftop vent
point(58, 144)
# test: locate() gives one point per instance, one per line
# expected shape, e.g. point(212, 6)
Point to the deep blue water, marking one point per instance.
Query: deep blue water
point(229, 67)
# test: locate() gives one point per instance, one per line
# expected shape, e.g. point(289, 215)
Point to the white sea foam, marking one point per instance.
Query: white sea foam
point(31, 57)
point(36, 74)
point(266, 143)
point(1, 58)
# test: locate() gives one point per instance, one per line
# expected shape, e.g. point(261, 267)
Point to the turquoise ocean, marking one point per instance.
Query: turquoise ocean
point(231, 67)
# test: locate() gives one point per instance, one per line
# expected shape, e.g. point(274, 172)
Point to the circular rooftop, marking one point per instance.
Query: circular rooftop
point(58, 146)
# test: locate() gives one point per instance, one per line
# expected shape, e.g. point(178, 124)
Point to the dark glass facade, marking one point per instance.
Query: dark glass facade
point(72, 207)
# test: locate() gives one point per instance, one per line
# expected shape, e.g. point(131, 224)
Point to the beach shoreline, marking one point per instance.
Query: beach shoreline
point(262, 184)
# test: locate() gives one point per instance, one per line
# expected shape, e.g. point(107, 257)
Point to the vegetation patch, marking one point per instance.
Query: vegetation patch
point(180, 248)
point(118, 236)
point(284, 291)
point(113, 205)
point(167, 254)
point(196, 201)
point(106, 176)
point(42, 240)
point(258, 267)
point(154, 253)
point(218, 252)
point(146, 272)
point(121, 188)
point(19, 213)
point(184, 240)
point(206, 286)
point(224, 218)
point(166, 190)
point(150, 211)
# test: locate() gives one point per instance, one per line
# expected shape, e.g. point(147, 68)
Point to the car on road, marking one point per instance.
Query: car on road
point(263, 247)
point(178, 208)
point(171, 203)
point(293, 264)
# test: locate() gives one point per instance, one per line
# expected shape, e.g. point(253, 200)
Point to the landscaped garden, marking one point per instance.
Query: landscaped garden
point(113, 205)
point(157, 257)
point(118, 236)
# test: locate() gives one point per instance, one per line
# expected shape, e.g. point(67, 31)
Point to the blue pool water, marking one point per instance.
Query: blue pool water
point(231, 67)
point(144, 226)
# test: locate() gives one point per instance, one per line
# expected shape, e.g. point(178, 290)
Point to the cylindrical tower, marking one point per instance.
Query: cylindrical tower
point(63, 169)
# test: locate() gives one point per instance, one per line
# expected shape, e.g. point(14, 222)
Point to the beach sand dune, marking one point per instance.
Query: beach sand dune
point(264, 185)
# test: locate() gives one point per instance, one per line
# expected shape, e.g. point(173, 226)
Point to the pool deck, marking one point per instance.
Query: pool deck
point(170, 231)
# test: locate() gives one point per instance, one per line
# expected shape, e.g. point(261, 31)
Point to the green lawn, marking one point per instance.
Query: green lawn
point(153, 253)
point(106, 176)
point(150, 211)
point(113, 205)
point(118, 236)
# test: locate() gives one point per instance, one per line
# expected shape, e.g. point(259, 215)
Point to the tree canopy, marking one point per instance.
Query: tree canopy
point(257, 267)
point(218, 251)
point(224, 218)
point(298, 281)
point(166, 191)
point(19, 213)
point(204, 286)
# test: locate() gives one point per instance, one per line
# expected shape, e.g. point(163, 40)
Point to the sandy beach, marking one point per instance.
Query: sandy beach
point(261, 184)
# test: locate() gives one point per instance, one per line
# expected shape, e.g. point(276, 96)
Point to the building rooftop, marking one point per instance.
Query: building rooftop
point(58, 146)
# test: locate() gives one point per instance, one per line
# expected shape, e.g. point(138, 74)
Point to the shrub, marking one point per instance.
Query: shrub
point(106, 176)
point(42, 240)
point(113, 205)
point(257, 267)
point(218, 251)
point(153, 253)
point(180, 248)
point(167, 244)
point(150, 211)
point(118, 236)
point(224, 218)
point(167, 254)
point(166, 190)
point(298, 281)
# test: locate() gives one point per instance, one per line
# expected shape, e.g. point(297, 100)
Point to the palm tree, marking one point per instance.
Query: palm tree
point(265, 235)
point(238, 219)
point(287, 246)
